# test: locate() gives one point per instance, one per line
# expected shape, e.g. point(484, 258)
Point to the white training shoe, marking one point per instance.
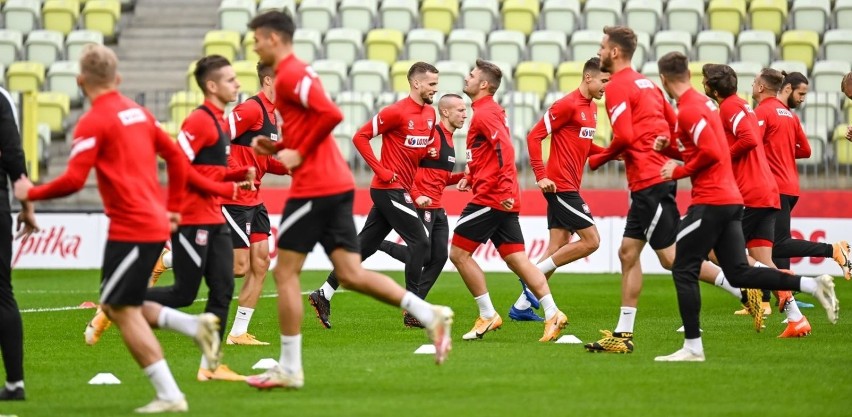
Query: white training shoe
point(277, 377)
point(164, 406)
point(439, 332)
point(207, 339)
point(827, 298)
point(682, 355)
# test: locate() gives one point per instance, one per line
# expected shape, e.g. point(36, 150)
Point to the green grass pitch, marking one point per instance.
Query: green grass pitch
point(365, 365)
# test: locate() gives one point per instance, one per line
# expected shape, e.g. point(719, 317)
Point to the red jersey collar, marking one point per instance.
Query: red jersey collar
point(482, 101)
point(106, 96)
point(216, 111)
point(265, 100)
point(687, 96)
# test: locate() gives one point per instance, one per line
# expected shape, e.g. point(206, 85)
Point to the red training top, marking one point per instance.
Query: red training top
point(785, 141)
point(491, 156)
point(436, 174)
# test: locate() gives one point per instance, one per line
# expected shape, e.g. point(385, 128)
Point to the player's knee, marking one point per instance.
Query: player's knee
point(592, 243)
point(667, 263)
point(458, 255)
point(241, 268)
point(628, 256)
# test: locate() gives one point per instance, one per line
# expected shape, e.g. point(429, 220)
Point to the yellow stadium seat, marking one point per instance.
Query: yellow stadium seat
point(248, 47)
point(171, 127)
point(53, 107)
point(247, 76)
point(25, 76)
point(843, 149)
point(520, 15)
point(768, 15)
point(439, 14)
point(727, 15)
point(399, 76)
point(191, 85)
point(222, 42)
point(603, 132)
point(696, 77)
point(800, 45)
point(535, 77)
point(847, 108)
point(569, 74)
point(182, 103)
point(102, 16)
point(384, 45)
point(60, 15)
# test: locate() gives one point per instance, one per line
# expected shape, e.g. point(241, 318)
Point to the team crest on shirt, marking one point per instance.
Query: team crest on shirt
point(427, 216)
point(201, 238)
point(410, 124)
point(586, 209)
point(407, 198)
point(429, 123)
point(583, 116)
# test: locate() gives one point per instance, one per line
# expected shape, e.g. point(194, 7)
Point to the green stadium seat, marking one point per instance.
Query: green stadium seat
point(401, 15)
point(247, 76)
point(318, 14)
point(551, 98)
point(460, 145)
point(601, 13)
point(818, 145)
point(369, 76)
point(60, 15)
point(440, 15)
point(643, 49)
point(358, 14)
point(569, 74)
point(826, 75)
point(789, 66)
point(425, 45)
point(756, 46)
point(25, 76)
point(534, 77)
point(479, 15)
point(384, 45)
point(44, 46)
point(102, 16)
point(234, 15)
point(62, 77)
point(651, 71)
point(344, 44)
point(182, 103)
point(507, 46)
point(332, 74)
point(523, 110)
point(714, 46)
point(343, 134)
point(837, 44)
point(746, 73)
point(585, 44)
point(22, 15)
point(813, 15)
point(644, 15)
point(356, 106)
point(843, 14)
point(452, 75)
point(520, 15)
point(77, 39)
point(53, 107)
point(769, 15)
point(222, 42)
point(727, 15)
point(465, 45)
point(307, 44)
point(559, 15)
point(821, 113)
point(672, 40)
point(277, 5)
point(685, 15)
point(800, 45)
point(399, 76)
point(11, 42)
point(547, 46)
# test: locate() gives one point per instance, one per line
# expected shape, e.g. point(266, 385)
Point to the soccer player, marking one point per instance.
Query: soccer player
point(431, 178)
point(202, 244)
point(121, 140)
point(407, 127)
point(571, 122)
point(247, 215)
point(639, 113)
point(319, 209)
point(713, 219)
point(783, 136)
point(13, 166)
point(492, 213)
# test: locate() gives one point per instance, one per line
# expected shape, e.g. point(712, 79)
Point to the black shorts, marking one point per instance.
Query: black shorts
point(653, 215)
point(759, 226)
point(478, 224)
point(567, 210)
point(324, 220)
point(249, 224)
point(126, 270)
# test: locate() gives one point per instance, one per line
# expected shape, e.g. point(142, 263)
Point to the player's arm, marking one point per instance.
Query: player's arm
point(455, 177)
point(707, 150)
point(84, 152)
point(744, 133)
point(237, 173)
point(326, 115)
point(803, 148)
point(176, 166)
point(621, 118)
point(195, 135)
point(247, 116)
point(493, 127)
point(553, 119)
point(275, 167)
point(387, 119)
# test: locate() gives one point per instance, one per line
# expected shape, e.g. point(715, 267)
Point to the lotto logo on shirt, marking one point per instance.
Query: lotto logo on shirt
point(784, 113)
point(587, 133)
point(131, 116)
point(468, 155)
point(416, 141)
point(644, 83)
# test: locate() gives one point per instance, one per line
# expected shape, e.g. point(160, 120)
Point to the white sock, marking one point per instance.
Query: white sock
point(694, 345)
point(486, 309)
point(241, 321)
point(723, 283)
point(204, 364)
point(757, 264)
point(167, 259)
point(546, 265)
point(523, 303)
point(793, 312)
point(291, 353)
point(420, 309)
point(11, 386)
point(549, 306)
point(163, 381)
point(327, 291)
point(808, 285)
point(178, 321)
point(626, 320)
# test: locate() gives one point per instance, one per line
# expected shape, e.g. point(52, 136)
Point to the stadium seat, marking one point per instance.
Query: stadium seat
point(425, 45)
point(62, 77)
point(460, 146)
point(695, 74)
point(357, 107)
point(843, 14)
point(77, 39)
point(191, 85)
point(756, 46)
point(277, 5)
point(479, 15)
point(520, 15)
point(60, 15)
point(601, 13)
point(25, 76)
point(727, 15)
point(343, 134)
point(399, 76)
point(847, 110)
point(53, 107)
point(171, 128)
point(826, 75)
point(644, 15)
point(452, 74)
point(643, 49)
point(465, 45)
point(821, 113)
point(842, 147)
point(685, 15)
point(384, 45)
point(569, 74)
point(551, 97)
point(399, 14)
point(317, 14)
point(369, 76)
point(508, 82)
point(307, 44)
point(387, 98)
point(769, 15)
point(44, 46)
point(358, 14)
point(22, 15)
point(746, 72)
point(523, 110)
point(222, 42)
point(248, 47)
point(714, 46)
point(652, 72)
point(102, 16)
point(585, 44)
point(789, 66)
point(603, 131)
point(182, 103)
point(344, 44)
point(838, 44)
point(813, 15)
point(818, 145)
point(11, 42)
point(236, 14)
point(547, 46)
point(440, 15)
point(247, 76)
point(332, 74)
point(800, 45)
point(534, 77)
point(672, 40)
point(560, 15)
point(507, 46)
